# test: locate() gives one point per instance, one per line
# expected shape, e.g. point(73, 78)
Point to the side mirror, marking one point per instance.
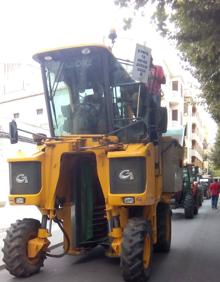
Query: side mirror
point(162, 126)
point(13, 132)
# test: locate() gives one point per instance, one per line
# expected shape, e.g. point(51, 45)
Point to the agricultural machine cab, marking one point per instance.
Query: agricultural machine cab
point(89, 92)
point(105, 176)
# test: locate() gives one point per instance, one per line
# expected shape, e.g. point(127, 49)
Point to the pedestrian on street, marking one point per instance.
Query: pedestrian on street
point(214, 189)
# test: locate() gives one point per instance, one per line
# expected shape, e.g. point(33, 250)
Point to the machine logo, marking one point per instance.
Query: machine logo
point(21, 178)
point(126, 174)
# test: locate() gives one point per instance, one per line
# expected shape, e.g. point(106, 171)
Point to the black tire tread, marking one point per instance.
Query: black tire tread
point(189, 206)
point(163, 245)
point(15, 248)
point(132, 250)
point(196, 202)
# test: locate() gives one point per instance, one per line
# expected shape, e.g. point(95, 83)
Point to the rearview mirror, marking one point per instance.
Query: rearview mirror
point(13, 132)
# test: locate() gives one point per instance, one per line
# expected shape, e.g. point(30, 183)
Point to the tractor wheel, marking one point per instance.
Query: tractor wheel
point(189, 206)
point(196, 210)
point(197, 200)
point(163, 228)
point(200, 199)
point(15, 248)
point(136, 250)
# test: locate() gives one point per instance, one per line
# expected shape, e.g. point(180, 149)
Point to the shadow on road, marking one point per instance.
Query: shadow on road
point(177, 215)
point(97, 253)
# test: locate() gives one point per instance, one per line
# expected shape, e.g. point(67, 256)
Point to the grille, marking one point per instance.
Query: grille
point(25, 177)
point(127, 175)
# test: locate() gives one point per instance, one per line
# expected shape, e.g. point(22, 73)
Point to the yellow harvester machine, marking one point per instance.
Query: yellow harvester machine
point(106, 174)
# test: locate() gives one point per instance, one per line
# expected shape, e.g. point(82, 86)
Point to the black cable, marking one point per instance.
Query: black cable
point(56, 220)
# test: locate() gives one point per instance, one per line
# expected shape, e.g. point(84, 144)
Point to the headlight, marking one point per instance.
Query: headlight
point(19, 200)
point(128, 200)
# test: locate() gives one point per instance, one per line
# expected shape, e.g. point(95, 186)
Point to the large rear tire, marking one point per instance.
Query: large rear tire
point(163, 228)
point(200, 200)
point(136, 250)
point(196, 202)
point(189, 206)
point(15, 248)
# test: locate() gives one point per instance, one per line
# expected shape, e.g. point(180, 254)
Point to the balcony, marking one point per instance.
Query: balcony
point(174, 97)
point(195, 153)
point(196, 138)
point(197, 120)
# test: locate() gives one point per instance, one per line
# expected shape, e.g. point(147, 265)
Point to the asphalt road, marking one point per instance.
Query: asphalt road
point(194, 256)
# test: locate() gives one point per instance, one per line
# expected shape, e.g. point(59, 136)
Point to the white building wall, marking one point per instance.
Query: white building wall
point(195, 130)
point(173, 100)
point(19, 80)
point(188, 123)
point(28, 110)
point(21, 96)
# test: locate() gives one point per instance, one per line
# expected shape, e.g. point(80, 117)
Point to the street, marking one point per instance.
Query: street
point(106, 122)
point(194, 256)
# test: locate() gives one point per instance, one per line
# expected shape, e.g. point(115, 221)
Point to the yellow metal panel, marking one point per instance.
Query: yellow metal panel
point(132, 150)
point(153, 187)
point(36, 245)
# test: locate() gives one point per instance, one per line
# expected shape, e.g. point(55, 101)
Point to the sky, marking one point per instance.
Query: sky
point(28, 26)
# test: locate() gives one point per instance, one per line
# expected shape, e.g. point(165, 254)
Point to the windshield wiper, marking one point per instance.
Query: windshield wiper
point(56, 80)
point(125, 127)
point(51, 99)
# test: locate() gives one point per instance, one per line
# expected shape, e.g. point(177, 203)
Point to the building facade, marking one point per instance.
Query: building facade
point(184, 112)
point(21, 97)
point(195, 138)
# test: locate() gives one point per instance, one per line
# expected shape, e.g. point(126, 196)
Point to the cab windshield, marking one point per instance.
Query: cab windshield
point(89, 92)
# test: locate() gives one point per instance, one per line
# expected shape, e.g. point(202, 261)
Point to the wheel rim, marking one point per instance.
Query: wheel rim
point(147, 251)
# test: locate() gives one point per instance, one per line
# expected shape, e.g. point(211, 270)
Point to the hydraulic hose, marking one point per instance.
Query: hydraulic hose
point(59, 223)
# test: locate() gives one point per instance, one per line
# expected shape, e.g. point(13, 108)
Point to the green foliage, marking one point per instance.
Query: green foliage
point(216, 173)
point(195, 25)
point(215, 153)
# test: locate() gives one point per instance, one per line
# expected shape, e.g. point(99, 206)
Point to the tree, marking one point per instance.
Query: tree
point(215, 153)
point(195, 25)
